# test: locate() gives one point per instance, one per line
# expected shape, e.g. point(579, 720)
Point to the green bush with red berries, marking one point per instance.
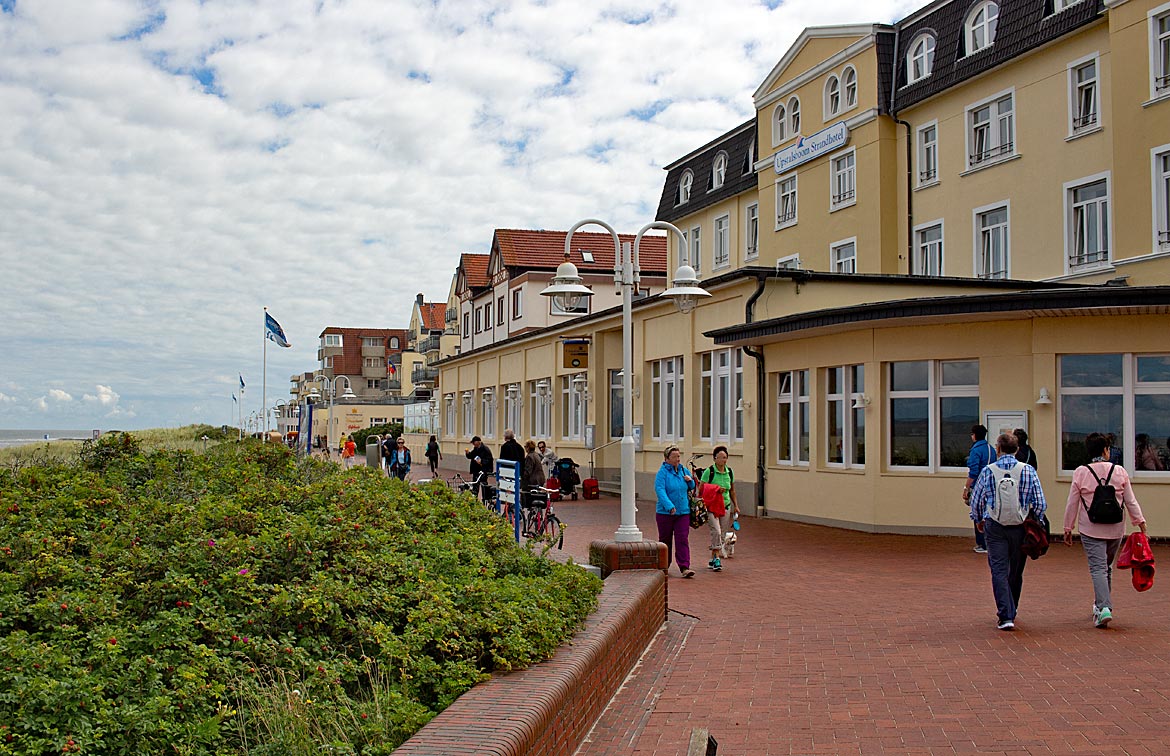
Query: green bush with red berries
point(247, 601)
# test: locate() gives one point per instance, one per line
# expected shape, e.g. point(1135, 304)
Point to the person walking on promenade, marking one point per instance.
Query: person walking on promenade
point(980, 456)
point(1005, 492)
point(531, 471)
point(482, 461)
point(433, 454)
point(719, 521)
point(1100, 540)
point(1025, 453)
point(673, 510)
point(348, 452)
point(400, 460)
point(511, 449)
point(548, 458)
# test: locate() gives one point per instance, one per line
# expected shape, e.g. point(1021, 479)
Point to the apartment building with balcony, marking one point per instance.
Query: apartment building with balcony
point(371, 358)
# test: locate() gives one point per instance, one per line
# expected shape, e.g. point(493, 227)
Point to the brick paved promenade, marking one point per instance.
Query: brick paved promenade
point(822, 641)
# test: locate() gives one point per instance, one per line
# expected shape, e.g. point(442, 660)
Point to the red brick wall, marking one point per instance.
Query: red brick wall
point(547, 709)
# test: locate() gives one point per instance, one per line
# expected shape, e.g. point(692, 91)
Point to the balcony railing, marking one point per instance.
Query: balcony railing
point(844, 196)
point(928, 175)
point(452, 316)
point(995, 152)
point(424, 375)
point(1095, 257)
point(429, 344)
point(1084, 121)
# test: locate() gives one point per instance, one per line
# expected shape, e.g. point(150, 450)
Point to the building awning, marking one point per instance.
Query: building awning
point(1034, 303)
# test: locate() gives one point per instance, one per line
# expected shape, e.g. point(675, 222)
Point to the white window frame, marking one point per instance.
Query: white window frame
point(479, 319)
point(927, 151)
point(752, 232)
point(1081, 123)
point(721, 413)
point(466, 324)
point(793, 393)
point(468, 404)
point(513, 411)
point(501, 315)
point(721, 249)
point(988, 26)
point(996, 148)
point(540, 409)
point(327, 362)
point(667, 385)
point(843, 180)
point(849, 95)
point(449, 401)
point(574, 409)
point(331, 340)
point(1159, 52)
point(922, 49)
point(832, 102)
point(1160, 194)
point(839, 261)
point(794, 116)
point(1099, 210)
point(1059, 5)
point(517, 302)
point(695, 239)
point(373, 342)
point(487, 406)
point(919, 264)
point(719, 171)
point(977, 243)
point(789, 262)
point(779, 124)
point(372, 362)
point(934, 391)
point(781, 192)
point(852, 399)
point(1129, 389)
point(686, 184)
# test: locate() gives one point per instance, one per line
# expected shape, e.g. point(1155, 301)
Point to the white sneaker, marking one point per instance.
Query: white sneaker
point(1103, 617)
point(1006, 625)
point(980, 550)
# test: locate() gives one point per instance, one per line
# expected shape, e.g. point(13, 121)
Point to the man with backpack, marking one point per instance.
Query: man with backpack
point(1095, 499)
point(1005, 493)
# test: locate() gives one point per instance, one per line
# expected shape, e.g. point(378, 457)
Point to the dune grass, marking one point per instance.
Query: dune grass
point(184, 438)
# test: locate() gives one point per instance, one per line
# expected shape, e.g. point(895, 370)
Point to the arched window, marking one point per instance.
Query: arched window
point(920, 59)
point(684, 187)
point(980, 27)
point(849, 80)
point(719, 170)
point(794, 116)
point(779, 124)
point(832, 96)
point(393, 342)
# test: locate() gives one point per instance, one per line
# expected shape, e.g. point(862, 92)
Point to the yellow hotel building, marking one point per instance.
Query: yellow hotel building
point(958, 218)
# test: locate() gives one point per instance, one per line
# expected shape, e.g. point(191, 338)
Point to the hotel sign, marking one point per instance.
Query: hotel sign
point(811, 147)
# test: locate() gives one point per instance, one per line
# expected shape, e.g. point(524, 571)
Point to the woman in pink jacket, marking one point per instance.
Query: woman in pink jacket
point(1100, 541)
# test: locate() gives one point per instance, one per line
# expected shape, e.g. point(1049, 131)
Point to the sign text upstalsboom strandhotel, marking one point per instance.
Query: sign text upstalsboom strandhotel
point(807, 148)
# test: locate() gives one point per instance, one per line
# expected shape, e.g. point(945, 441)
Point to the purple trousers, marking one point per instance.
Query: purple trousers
point(674, 531)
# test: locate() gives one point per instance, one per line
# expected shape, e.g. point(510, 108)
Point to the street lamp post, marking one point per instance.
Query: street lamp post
point(330, 386)
point(568, 290)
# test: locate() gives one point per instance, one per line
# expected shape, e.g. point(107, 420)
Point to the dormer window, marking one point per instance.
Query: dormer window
point(794, 116)
point(920, 59)
point(393, 342)
point(849, 82)
point(832, 97)
point(979, 31)
point(684, 187)
point(719, 170)
point(779, 124)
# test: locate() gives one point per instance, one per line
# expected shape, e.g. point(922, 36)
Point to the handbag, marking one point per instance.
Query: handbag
point(1036, 535)
point(699, 513)
point(712, 496)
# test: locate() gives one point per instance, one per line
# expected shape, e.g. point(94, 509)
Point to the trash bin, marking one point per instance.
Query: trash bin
point(374, 451)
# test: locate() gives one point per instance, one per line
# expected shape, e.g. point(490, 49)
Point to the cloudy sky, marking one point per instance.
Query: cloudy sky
point(168, 168)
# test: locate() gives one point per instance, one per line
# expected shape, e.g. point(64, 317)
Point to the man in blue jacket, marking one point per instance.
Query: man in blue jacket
point(981, 455)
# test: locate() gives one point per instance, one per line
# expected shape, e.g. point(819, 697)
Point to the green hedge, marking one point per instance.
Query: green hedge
point(245, 601)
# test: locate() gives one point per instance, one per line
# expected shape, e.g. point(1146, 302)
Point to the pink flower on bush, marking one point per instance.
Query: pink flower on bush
point(211, 543)
point(244, 571)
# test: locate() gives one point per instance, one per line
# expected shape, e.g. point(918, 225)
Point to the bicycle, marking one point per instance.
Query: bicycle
point(477, 485)
point(539, 522)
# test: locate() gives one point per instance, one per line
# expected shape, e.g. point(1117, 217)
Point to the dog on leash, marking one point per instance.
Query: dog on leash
point(729, 539)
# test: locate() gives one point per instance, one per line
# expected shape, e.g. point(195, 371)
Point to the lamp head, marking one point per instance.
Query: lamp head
point(685, 289)
point(566, 288)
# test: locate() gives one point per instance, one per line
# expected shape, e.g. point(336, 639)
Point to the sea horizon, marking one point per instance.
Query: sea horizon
point(24, 436)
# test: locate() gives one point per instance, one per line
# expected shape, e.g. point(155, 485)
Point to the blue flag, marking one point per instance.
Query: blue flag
point(241, 382)
point(274, 332)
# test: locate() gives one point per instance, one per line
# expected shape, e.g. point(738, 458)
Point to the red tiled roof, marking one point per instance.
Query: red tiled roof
point(546, 249)
point(383, 333)
point(474, 267)
point(434, 315)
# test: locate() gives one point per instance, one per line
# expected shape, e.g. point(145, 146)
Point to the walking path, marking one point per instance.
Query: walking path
point(816, 640)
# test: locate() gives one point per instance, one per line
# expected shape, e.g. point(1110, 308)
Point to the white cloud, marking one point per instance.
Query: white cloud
point(6, 399)
point(41, 404)
point(59, 395)
point(167, 169)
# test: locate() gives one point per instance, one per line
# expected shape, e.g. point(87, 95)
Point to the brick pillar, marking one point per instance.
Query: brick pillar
point(611, 556)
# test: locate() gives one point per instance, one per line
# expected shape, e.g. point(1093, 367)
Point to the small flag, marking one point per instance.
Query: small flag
point(390, 367)
point(234, 399)
point(274, 331)
point(241, 382)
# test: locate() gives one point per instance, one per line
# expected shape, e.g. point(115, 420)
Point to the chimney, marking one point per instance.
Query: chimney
point(419, 300)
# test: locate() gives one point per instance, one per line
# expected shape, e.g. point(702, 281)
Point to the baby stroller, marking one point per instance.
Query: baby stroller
point(567, 475)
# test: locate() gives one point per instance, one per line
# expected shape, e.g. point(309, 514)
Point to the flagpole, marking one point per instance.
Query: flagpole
point(264, 377)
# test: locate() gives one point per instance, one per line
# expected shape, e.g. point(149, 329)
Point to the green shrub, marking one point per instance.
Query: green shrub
point(245, 601)
point(359, 437)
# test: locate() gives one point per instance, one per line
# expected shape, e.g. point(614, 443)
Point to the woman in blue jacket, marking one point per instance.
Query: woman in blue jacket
point(673, 511)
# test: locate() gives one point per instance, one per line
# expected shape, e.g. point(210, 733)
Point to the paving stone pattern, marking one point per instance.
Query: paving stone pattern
point(816, 640)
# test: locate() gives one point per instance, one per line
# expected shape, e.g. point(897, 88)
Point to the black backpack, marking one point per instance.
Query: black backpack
point(1104, 509)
